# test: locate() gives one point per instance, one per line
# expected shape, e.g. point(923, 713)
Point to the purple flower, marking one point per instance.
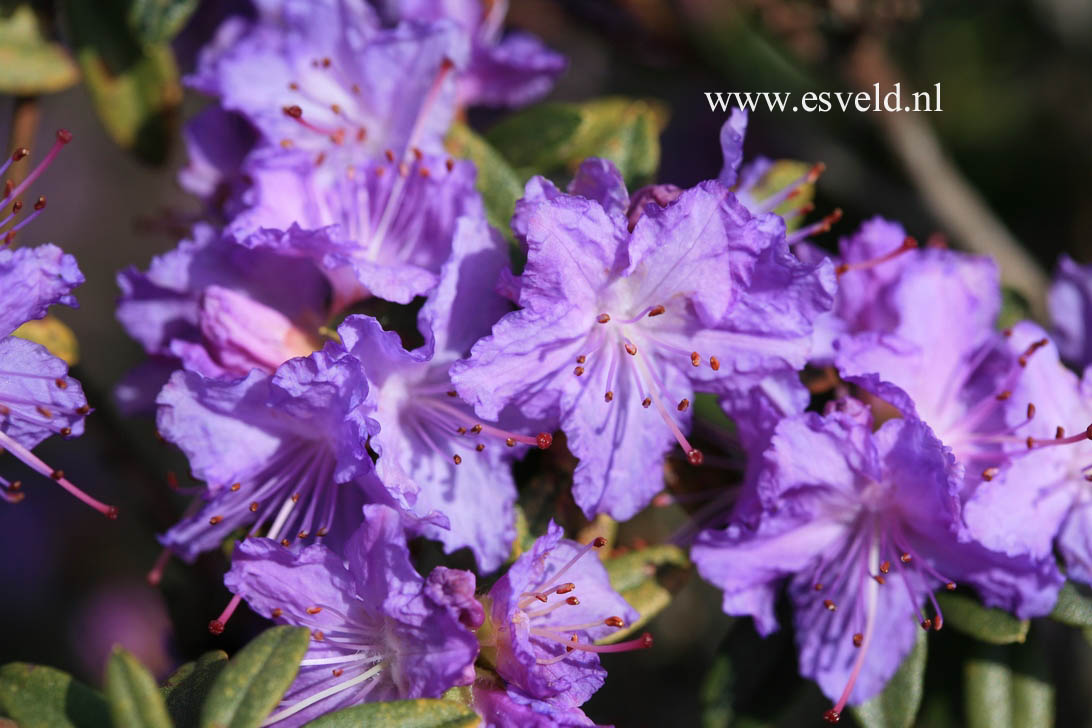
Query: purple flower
point(433, 451)
point(379, 632)
point(37, 397)
point(700, 296)
point(500, 708)
point(847, 513)
point(323, 77)
point(1070, 301)
point(283, 452)
point(544, 617)
point(220, 309)
point(510, 70)
point(1038, 499)
point(379, 228)
point(217, 144)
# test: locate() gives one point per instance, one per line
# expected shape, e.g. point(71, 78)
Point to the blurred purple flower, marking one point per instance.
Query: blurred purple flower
point(1070, 301)
point(845, 513)
point(324, 77)
point(378, 632)
point(546, 651)
point(510, 69)
point(699, 296)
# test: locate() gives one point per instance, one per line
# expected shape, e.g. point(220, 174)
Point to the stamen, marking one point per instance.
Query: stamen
point(36, 463)
point(908, 244)
point(217, 625)
point(63, 138)
point(322, 695)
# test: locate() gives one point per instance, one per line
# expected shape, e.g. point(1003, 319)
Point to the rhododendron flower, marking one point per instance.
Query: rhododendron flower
point(37, 397)
point(543, 619)
point(379, 631)
point(1070, 301)
point(699, 296)
point(847, 514)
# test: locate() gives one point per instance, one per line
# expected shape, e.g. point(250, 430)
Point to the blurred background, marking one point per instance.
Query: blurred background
point(1011, 148)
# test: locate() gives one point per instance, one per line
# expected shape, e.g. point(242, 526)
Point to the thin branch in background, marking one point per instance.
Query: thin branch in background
point(944, 189)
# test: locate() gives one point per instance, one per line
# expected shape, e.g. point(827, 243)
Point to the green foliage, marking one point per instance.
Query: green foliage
point(639, 577)
point(994, 626)
point(31, 63)
point(185, 690)
point(897, 706)
point(135, 701)
point(1007, 687)
point(497, 182)
point(36, 696)
point(401, 713)
point(134, 84)
point(1073, 608)
point(552, 139)
point(249, 688)
point(157, 21)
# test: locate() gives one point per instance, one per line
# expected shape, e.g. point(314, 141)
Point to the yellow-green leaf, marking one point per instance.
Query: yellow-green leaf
point(897, 706)
point(135, 701)
point(1073, 607)
point(496, 181)
point(403, 714)
point(36, 696)
point(53, 335)
point(643, 578)
point(249, 688)
point(995, 626)
point(30, 63)
point(185, 690)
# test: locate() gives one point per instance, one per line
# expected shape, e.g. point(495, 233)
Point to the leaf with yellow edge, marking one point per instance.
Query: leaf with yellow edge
point(647, 579)
point(31, 64)
point(54, 336)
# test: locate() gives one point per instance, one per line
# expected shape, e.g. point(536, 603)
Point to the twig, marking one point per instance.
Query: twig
point(24, 125)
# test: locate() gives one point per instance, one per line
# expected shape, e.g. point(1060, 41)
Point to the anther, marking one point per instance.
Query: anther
point(83, 409)
point(389, 154)
point(858, 639)
point(235, 487)
point(61, 383)
point(830, 606)
point(476, 429)
point(684, 404)
point(631, 349)
point(44, 412)
point(293, 111)
point(990, 473)
point(905, 558)
point(510, 442)
point(314, 610)
point(254, 506)
point(1031, 410)
point(57, 475)
point(286, 542)
point(337, 672)
point(599, 542)
point(66, 431)
point(461, 430)
point(927, 624)
point(565, 588)
point(614, 622)
point(714, 363)
point(609, 396)
point(578, 370)
point(19, 153)
point(295, 497)
point(449, 164)
point(818, 587)
point(1002, 396)
point(318, 635)
point(215, 519)
point(457, 459)
point(603, 318)
point(695, 457)
point(656, 310)
point(277, 612)
point(646, 402)
point(695, 358)
point(950, 586)
point(1059, 433)
point(572, 601)
point(581, 359)
point(452, 393)
point(885, 567)
point(544, 440)
point(479, 447)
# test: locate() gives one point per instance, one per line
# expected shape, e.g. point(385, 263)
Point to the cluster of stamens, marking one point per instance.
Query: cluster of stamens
point(568, 635)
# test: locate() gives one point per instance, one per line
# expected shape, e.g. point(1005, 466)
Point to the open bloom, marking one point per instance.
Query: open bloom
point(848, 513)
point(379, 228)
point(701, 295)
point(219, 309)
point(326, 78)
point(284, 453)
point(37, 397)
point(510, 69)
point(379, 631)
point(544, 617)
point(434, 452)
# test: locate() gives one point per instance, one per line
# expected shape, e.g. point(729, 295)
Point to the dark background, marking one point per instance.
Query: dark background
point(1017, 99)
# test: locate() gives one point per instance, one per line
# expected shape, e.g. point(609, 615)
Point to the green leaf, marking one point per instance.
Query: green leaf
point(403, 714)
point(252, 684)
point(640, 576)
point(134, 698)
point(1005, 686)
point(53, 335)
point(30, 63)
point(897, 705)
point(185, 691)
point(496, 182)
point(1072, 608)
point(1015, 308)
point(157, 21)
point(134, 86)
point(780, 175)
point(994, 626)
point(552, 139)
point(35, 696)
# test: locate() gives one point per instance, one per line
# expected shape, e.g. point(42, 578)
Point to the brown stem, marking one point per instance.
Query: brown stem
point(24, 125)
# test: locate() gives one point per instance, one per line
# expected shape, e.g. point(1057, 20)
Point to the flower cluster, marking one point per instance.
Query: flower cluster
point(328, 435)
